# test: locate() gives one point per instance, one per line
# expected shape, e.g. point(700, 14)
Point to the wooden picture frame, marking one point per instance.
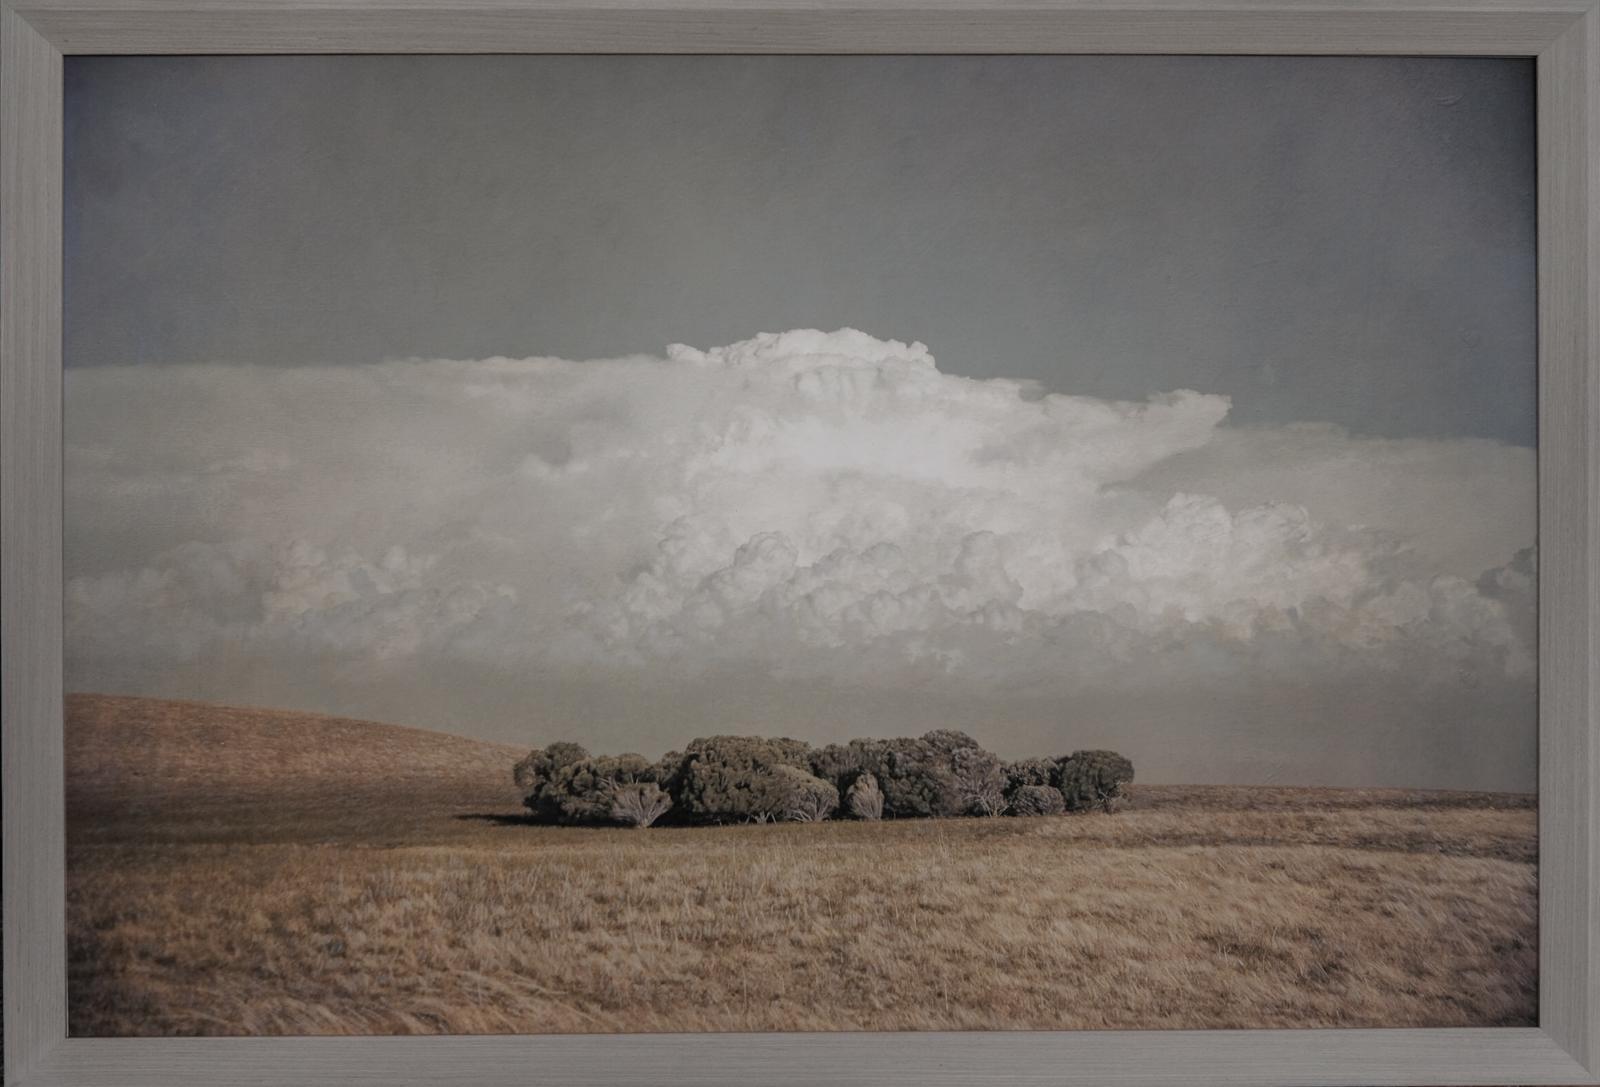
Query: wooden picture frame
point(1564, 36)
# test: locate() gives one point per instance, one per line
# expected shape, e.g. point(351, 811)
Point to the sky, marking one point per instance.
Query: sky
point(1183, 406)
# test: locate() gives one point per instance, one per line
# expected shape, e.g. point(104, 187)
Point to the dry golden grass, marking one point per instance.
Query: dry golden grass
point(127, 748)
point(353, 908)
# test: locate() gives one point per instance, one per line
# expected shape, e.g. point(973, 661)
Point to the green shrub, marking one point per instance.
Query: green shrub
point(944, 773)
point(639, 804)
point(841, 764)
point(538, 765)
point(865, 799)
point(1090, 778)
point(1033, 771)
point(1036, 800)
point(807, 799)
point(737, 779)
point(981, 776)
point(583, 792)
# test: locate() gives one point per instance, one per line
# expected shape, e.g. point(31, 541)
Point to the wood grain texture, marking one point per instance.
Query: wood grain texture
point(1569, 536)
point(1564, 34)
point(30, 540)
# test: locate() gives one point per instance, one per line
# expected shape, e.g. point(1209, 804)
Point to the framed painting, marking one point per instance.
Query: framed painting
point(912, 418)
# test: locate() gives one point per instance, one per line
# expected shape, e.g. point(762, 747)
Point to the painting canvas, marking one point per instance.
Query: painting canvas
point(600, 543)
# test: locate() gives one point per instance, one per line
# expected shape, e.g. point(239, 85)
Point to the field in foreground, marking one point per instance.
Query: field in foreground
point(237, 871)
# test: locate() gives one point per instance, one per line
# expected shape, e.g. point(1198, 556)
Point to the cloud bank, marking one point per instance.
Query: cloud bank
point(811, 508)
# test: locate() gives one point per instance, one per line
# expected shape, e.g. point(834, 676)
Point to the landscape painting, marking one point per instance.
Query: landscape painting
point(568, 544)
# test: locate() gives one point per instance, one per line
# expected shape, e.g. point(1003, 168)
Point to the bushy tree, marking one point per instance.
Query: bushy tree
point(981, 777)
point(841, 764)
point(730, 779)
point(538, 765)
point(793, 752)
point(1036, 800)
point(916, 781)
point(809, 799)
point(667, 770)
point(1088, 778)
point(1034, 771)
point(575, 793)
point(865, 799)
point(639, 804)
point(944, 773)
point(583, 791)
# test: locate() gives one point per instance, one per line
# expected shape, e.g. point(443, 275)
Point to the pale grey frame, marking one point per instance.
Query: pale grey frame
point(1563, 34)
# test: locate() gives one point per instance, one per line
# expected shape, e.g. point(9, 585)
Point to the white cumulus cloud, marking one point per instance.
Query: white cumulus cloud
point(806, 504)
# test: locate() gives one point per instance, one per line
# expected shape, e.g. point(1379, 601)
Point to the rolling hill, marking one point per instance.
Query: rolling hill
point(124, 747)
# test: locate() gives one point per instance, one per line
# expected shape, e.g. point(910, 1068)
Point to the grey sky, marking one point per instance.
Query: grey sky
point(1334, 239)
point(1317, 567)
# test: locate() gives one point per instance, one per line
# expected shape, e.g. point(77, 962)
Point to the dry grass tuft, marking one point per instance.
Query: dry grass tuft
point(430, 908)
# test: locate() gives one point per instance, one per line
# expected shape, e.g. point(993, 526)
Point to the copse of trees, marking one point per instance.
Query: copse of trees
point(752, 779)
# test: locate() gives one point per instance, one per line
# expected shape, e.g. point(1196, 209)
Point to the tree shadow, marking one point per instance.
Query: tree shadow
point(501, 819)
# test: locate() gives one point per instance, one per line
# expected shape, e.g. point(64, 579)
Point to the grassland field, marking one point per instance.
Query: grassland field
point(247, 871)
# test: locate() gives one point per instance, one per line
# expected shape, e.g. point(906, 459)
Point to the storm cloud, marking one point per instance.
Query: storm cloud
point(826, 512)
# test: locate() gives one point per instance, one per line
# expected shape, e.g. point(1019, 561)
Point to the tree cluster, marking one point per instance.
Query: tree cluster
point(750, 779)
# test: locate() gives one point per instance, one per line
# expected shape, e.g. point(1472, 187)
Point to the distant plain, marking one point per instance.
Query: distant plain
point(250, 871)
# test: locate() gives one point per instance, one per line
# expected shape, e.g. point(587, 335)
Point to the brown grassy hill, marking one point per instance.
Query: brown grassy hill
point(1323, 798)
point(118, 746)
point(253, 871)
